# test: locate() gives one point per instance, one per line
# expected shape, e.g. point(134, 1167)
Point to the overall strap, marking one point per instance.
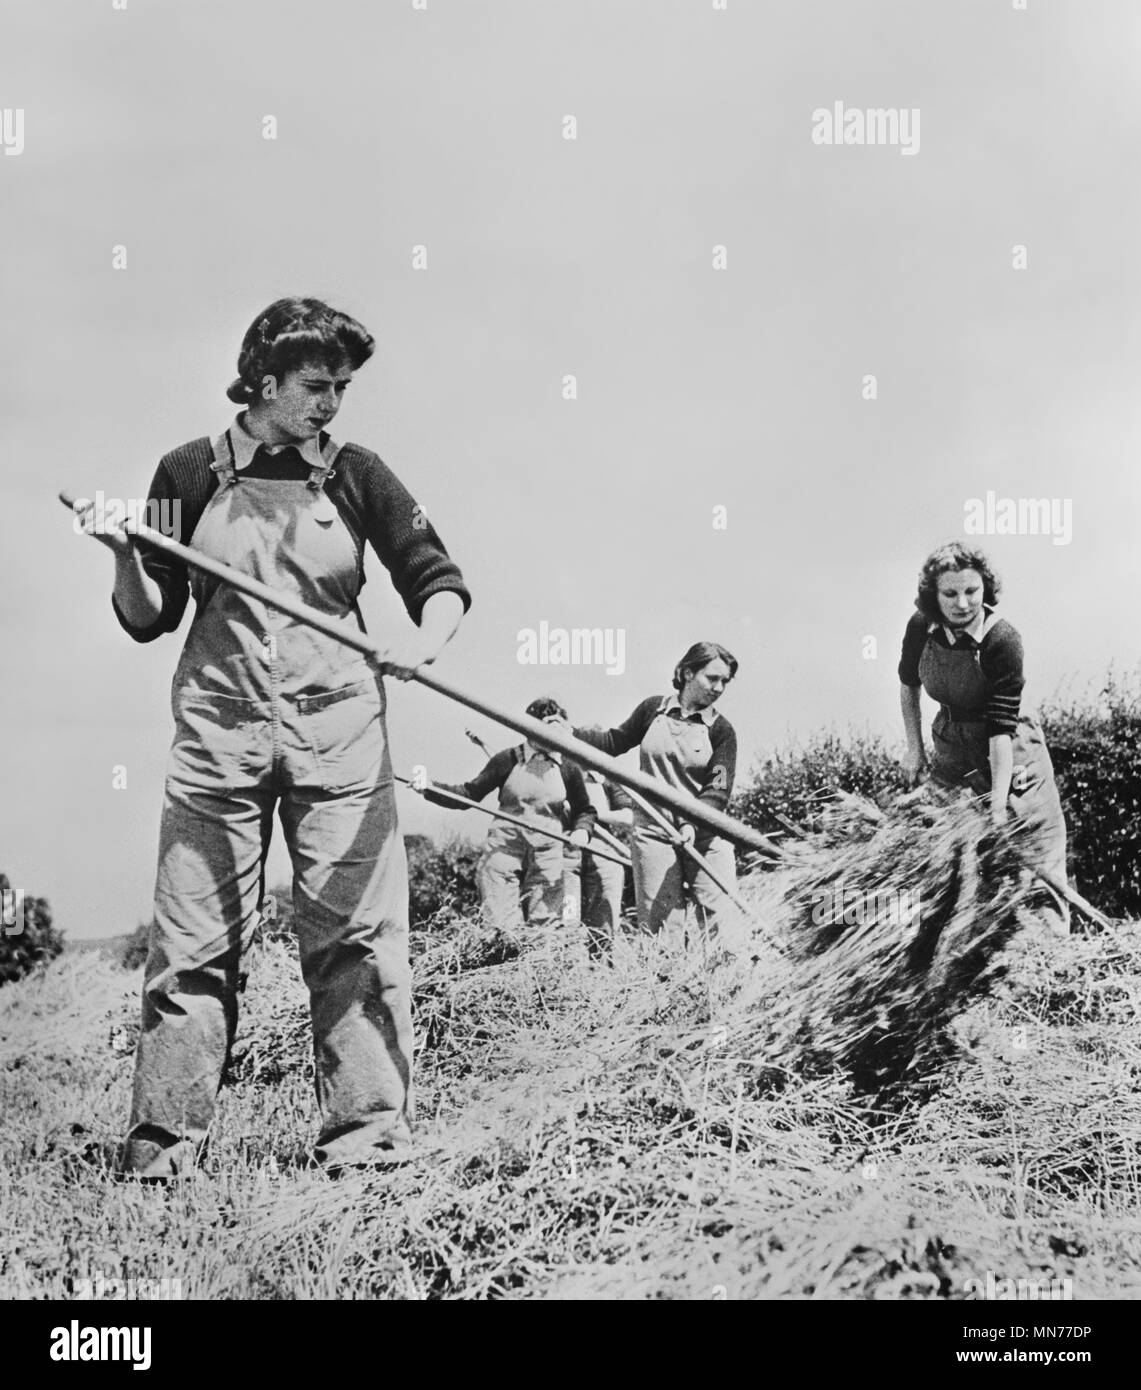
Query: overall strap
point(319, 476)
point(227, 472)
point(223, 465)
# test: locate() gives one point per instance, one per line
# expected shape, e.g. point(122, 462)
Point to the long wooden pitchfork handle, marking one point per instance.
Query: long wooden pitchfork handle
point(538, 732)
point(510, 819)
point(680, 842)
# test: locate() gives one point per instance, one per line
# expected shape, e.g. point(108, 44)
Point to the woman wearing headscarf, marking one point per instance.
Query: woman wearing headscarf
point(686, 744)
point(969, 661)
point(270, 714)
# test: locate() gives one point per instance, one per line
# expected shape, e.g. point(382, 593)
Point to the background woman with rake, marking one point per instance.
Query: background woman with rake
point(271, 712)
point(683, 742)
point(970, 662)
point(521, 871)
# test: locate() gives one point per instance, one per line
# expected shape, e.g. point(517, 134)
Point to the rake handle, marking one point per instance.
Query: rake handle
point(516, 820)
point(681, 843)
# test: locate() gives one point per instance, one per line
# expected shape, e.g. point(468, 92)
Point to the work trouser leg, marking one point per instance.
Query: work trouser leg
point(350, 899)
point(206, 909)
point(543, 883)
point(658, 885)
point(500, 877)
point(603, 883)
point(709, 900)
point(575, 887)
point(1036, 809)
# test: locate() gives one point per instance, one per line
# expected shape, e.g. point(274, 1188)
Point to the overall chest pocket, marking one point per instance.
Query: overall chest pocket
point(320, 557)
point(692, 747)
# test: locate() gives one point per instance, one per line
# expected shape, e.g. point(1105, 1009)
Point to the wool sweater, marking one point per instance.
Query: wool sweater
point(1000, 660)
point(373, 503)
point(580, 814)
point(708, 778)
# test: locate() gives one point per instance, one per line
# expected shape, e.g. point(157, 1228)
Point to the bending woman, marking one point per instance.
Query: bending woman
point(970, 662)
point(682, 741)
point(521, 871)
point(270, 713)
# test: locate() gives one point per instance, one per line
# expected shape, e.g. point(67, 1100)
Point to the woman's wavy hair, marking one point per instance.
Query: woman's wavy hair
point(294, 333)
point(952, 557)
point(698, 657)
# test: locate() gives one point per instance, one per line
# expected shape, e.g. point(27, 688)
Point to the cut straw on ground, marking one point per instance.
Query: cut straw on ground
point(886, 1112)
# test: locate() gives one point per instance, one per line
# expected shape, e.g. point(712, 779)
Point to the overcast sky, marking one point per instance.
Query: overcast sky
point(698, 387)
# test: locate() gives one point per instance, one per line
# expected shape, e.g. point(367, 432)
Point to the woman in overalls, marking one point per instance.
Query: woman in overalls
point(272, 714)
point(521, 871)
point(685, 743)
point(969, 661)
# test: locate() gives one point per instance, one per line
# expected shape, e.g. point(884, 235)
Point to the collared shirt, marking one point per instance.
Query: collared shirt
point(701, 762)
point(974, 629)
point(530, 750)
point(245, 446)
point(671, 705)
point(541, 793)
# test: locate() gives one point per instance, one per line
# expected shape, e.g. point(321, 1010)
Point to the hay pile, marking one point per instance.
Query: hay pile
point(857, 960)
point(593, 1131)
point(888, 934)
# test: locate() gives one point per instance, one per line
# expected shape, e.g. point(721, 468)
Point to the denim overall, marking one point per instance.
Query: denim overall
point(270, 713)
point(522, 867)
point(665, 878)
point(953, 676)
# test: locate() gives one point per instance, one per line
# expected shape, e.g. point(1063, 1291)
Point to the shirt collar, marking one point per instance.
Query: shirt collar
point(245, 446)
point(530, 749)
point(671, 704)
point(975, 630)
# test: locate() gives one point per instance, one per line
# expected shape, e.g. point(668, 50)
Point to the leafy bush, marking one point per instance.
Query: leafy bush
point(1095, 745)
point(790, 782)
point(441, 882)
point(1094, 742)
point(37, 942)
point(442, 879)
point(134, 951)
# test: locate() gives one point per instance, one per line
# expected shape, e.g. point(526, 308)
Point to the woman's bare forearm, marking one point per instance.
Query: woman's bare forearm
point(1001, 750)
point(138, 597)
point(439, 619)
point(912, 720)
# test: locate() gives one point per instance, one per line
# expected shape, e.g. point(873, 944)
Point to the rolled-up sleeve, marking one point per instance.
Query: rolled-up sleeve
point(914, 639)
point(400, 533)
point(1001, 662)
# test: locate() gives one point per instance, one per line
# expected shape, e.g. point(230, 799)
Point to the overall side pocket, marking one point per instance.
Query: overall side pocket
point(345, 730)
point(219, 740)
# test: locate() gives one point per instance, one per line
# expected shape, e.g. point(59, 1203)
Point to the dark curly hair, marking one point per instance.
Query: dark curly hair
point(544, 707)
point(951, 558)
point(293, 333)
point(698, 657)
